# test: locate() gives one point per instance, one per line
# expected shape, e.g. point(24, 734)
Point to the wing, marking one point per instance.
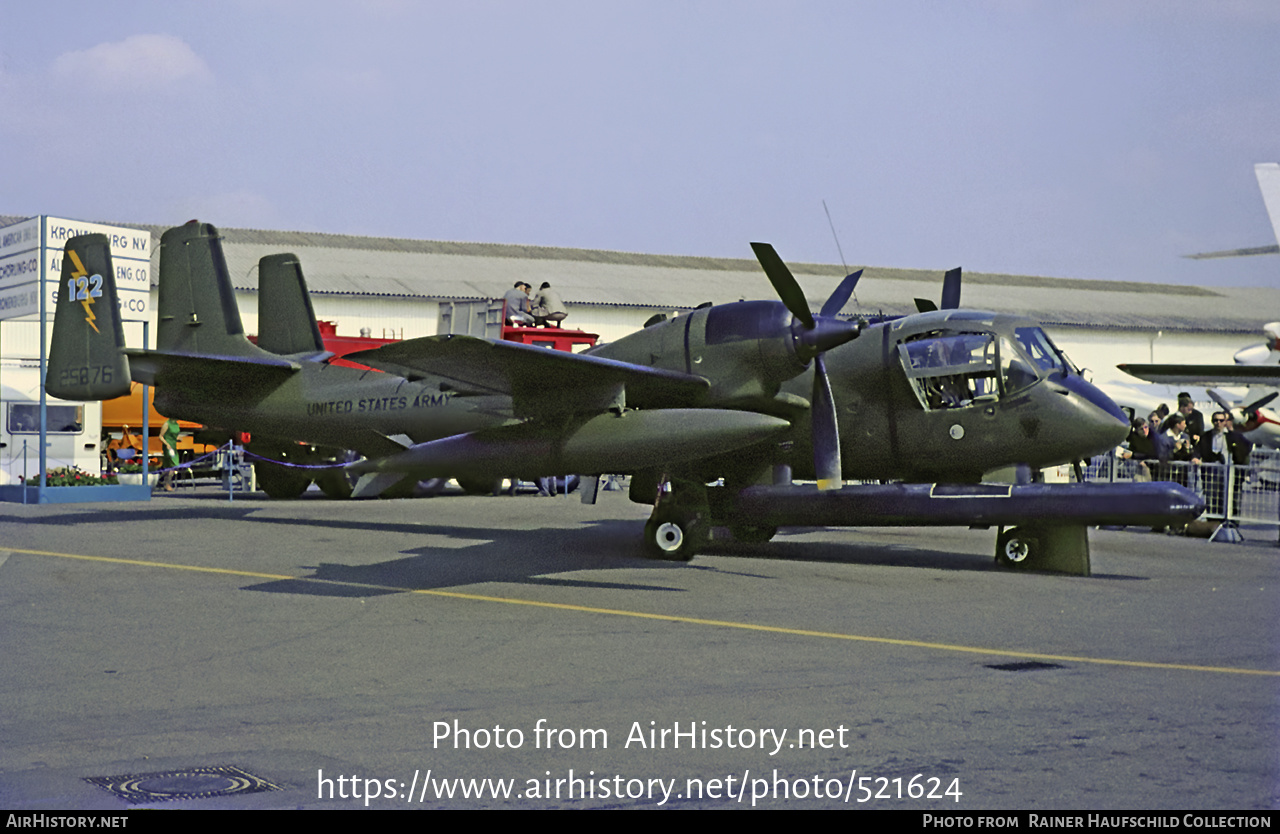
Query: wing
point(1206, 374)
point(541, 382)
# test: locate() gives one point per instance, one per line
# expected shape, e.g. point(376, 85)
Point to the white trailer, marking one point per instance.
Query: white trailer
point(73, 435)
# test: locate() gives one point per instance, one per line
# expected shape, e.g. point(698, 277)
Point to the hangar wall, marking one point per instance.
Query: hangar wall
point(1100, 350)
point(394, 288)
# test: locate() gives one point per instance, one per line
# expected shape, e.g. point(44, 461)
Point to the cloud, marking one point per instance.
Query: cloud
point(139, 62)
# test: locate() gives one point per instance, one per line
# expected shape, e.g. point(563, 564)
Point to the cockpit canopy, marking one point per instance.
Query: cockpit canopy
point(964, 365)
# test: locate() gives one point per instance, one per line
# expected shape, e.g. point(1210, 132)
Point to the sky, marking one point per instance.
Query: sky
point(1077, 139)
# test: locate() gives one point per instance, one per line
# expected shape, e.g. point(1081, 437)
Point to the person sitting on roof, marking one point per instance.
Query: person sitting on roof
point(516, 300)
point(548, 307)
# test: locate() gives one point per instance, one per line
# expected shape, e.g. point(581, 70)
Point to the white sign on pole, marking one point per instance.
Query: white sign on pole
point(20, 269)
point(22, 250)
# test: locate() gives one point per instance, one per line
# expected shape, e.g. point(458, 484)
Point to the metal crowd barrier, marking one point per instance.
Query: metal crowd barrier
point(1236, 494)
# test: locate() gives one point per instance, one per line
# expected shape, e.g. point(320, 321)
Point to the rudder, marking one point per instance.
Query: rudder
point(86, 358)
point(286, 319)
point(197, 307)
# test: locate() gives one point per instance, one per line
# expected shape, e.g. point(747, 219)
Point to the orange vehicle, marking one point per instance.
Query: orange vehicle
point(126, 412)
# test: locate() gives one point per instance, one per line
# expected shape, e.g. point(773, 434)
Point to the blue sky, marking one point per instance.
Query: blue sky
point(1081, 139)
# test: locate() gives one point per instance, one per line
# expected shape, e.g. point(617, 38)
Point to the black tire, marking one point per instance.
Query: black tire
point(281, 482)
point(430, 487)
point(752, 534)
point(675, 537)
point(480, 486)
point(406, 488)
point(336, 484)
point(1017, 548)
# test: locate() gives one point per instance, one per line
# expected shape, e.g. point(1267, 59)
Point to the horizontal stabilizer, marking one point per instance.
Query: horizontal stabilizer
point(1206, 374)
point(1236, 253)
point(214, 373)
point(540, 381)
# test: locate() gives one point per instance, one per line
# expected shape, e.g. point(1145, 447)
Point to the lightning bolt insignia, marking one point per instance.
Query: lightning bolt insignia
point(87, 303)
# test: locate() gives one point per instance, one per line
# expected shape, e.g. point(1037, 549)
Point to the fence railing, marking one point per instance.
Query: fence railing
point(1244, 493)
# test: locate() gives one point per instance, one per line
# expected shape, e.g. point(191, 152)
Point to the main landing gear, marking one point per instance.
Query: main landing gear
point(1017, 547)
point(1059, 548)
point(680, 525)
point(682, 521)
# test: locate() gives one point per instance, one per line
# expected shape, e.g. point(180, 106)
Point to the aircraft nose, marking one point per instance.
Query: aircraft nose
point(1101, 424)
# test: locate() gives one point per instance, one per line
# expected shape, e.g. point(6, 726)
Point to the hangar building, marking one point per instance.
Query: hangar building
point(394, 287)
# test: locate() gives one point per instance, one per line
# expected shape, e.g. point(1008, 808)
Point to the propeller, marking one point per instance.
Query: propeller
point(814, 336)
point(1250, 411)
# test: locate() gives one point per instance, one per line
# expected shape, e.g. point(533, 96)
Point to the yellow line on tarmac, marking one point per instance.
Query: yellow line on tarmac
point(673, 618)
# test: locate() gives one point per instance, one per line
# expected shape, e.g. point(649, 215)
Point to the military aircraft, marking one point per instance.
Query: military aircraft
point(944, 395)
point(205, 370)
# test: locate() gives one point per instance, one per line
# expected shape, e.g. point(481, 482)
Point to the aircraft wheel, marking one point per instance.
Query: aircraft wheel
point(430, 487)
point(338, 483)
point(480, 486)
point(752, 534)
point(675, 537)
point(281, 482)
point(1017, 548)
point(406, 488)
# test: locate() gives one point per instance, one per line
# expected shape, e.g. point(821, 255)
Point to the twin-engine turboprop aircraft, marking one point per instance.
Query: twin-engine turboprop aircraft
point(739, 394)
point(942, 396)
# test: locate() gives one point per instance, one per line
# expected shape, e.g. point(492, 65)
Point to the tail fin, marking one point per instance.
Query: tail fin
point(286, 320)
point(86, 359)
point(197, 308)
point(1268, 174)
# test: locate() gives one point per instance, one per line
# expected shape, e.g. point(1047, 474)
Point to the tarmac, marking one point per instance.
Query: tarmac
point(519, 652)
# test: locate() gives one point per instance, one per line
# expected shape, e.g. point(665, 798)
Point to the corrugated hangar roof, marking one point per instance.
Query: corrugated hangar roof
point(394, 267)
point(447, 270)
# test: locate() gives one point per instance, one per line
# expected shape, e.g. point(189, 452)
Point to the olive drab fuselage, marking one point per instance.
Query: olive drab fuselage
point(340, 406)
point(939, 396)
point(1011, 398)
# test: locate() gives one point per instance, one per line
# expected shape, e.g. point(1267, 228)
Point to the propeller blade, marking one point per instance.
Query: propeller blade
point(1217, 397)
point(840, 297)
point(1256, 404)
point(784, 283)
point(951, 289)
point(826, 433)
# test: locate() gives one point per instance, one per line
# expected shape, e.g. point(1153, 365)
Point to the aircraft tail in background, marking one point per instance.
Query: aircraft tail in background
point(1268, 174)
point(197, 307)
point(286, 319)
point(86, 356)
